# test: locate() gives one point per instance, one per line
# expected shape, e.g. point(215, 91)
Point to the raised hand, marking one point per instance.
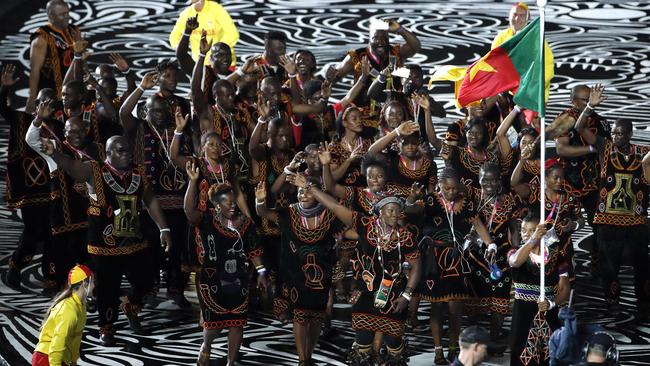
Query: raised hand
point(79, 44)
point(288, 65)
point(596, 95)
point(7, 78)
point(422, 100)
point(204, 44)
point(324, 155)
point(181, 121)
point(357, 153)
point(365, 66)
point(91, 81)
point(393, 25)
point(527, 152)
point(120, 62)
point(408, 128)
point(192, 170)
point(326, 89)
point(191, 24)
point(149, 80)
point(298, 180)
point(330, 73)
point(250, 65)
point(260, 192)
point(298, 159)
point(44, 109)
point(263, 108)
point(47, 146)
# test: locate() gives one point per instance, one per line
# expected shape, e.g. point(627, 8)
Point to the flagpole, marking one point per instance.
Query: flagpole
point(542, 94)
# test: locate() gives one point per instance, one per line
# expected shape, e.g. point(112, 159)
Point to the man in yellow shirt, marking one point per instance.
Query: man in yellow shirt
point(60, 339)
point(214, 19)
point(518, 18)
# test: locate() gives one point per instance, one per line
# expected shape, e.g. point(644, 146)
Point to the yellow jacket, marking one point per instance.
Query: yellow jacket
point(217, 23)
point(60, 337)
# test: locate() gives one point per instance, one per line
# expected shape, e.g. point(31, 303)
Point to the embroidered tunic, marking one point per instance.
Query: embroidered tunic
point(70, 198)
point(223, 279)
point(376, 261)
point(403, 175)
point(444, 277)
point(623, 195)
point(468, 167)
point(58, 57)
point(114, 211)
point(307, 257)
point(493, 294)
point(353, 176)
point(581, 173)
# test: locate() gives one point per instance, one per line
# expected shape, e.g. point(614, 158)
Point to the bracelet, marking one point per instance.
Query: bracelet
point(287, 171)
point(185, 33)
point(240, 72)
point(178, 133)
point(261, 271)
point(592, 148)
point(588, 105)
point(381, 79)
point(168, 230)
point(577, 226)
point(201, 54)
point(259, 267)
point(292, 75)
point(397, 132)
point(406, 296)
point(257, 202)
point(126, 71)
point(551, 304)
point(260, 120)
point(141, 88)
point(492, 247)
point(517, 108)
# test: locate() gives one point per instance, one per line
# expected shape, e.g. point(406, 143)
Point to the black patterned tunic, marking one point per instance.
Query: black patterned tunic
point(375, 262)
point(493, 295)
point(468, 167)
point(307, 258)
point(403, 176)
point(223, 284)
point(445, 267)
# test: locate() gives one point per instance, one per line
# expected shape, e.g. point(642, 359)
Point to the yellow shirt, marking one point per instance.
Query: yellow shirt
point(217, 23)
point(60, 337)
point(549, 67)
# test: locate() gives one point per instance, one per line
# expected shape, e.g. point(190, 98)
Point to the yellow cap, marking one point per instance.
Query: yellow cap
point(78, 273)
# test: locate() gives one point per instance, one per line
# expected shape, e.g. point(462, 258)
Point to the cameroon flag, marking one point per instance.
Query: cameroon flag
point(514, 65)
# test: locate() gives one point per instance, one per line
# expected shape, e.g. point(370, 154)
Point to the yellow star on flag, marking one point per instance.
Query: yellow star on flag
point(482, 65)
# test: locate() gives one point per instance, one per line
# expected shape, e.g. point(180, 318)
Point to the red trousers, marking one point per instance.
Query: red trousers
point(41, 359)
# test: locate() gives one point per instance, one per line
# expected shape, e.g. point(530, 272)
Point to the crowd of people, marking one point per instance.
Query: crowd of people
point(277, 197)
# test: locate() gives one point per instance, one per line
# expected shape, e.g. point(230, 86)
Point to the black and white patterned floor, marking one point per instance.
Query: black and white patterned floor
point(605, 41)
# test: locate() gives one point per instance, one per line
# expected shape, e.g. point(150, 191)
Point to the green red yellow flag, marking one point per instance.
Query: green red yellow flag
point(513, 66)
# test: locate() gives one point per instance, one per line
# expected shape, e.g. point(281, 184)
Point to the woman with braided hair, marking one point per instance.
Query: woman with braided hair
point(383, 246)
point(307, 231)
point(449, 216)
point(228, 243)
point(349, 147)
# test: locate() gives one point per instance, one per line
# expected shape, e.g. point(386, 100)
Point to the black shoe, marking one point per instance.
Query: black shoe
point(13, 277)
point(134, 323)
point(107, 339)
point(180, 300)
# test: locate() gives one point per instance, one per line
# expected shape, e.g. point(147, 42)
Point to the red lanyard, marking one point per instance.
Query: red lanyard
point(403, 161)
point(114, 170)
point(555, 205)
point(374, 57)
point(80, 152)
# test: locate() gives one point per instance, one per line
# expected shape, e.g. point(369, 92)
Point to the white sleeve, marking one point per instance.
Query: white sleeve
point(33, 139)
